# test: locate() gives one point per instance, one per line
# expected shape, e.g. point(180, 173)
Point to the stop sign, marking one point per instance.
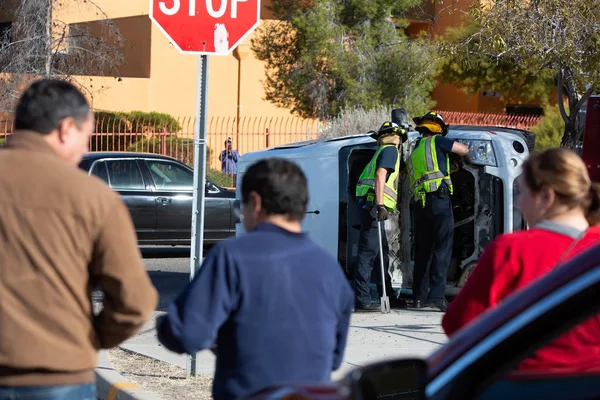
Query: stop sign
point(208, 27)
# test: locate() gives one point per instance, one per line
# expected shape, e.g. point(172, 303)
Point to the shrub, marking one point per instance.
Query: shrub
point(179, 148)
point(129, 128)
point(549, 131)
point(154, 122)
point(111, 122)
point(135, 122)
point(352, 121)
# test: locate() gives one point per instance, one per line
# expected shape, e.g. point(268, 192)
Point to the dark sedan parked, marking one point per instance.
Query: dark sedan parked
point(158, 192)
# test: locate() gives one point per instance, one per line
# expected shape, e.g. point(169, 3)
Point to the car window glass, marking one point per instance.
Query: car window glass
point(168, 175)
point(125, 174)
point(99, 169)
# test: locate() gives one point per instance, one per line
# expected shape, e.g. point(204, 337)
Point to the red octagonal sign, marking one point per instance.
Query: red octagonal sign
point(209, 27)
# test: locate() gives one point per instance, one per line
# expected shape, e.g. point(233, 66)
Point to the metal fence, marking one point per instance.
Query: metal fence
point(482, 119)
point(175, 137)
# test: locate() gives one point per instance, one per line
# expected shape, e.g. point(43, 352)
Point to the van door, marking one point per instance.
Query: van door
point(352, 161)
point(322, 213)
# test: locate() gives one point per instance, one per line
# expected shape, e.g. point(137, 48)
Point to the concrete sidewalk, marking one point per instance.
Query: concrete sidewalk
point(372, 337)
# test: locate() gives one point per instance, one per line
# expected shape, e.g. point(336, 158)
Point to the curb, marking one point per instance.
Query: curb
point(111, 385)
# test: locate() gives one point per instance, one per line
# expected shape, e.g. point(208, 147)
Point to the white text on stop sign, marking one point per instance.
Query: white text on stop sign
point(209, 8)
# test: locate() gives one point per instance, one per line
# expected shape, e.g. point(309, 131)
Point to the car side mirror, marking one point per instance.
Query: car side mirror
point(210, 188)
point(398, 379)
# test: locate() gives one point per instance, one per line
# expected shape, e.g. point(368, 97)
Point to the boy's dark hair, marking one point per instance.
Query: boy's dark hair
point(282, 186)
point(47, 102)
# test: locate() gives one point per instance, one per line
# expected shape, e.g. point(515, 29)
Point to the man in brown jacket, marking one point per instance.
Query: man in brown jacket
point(62, 233)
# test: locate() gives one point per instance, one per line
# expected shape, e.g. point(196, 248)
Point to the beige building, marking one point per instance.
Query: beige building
point(157, 77)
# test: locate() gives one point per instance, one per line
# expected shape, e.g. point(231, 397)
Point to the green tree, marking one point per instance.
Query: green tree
point(477, 71)
point(324, 55)
point(549, 131)
point(562, 37)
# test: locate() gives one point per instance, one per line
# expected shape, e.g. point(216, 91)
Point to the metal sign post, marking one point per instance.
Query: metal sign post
point(196, 255)
point(196, 27)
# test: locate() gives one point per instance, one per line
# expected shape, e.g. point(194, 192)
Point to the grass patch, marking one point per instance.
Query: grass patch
point(219, 178)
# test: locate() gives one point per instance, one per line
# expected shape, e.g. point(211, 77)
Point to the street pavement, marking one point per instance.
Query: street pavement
point(372, 337)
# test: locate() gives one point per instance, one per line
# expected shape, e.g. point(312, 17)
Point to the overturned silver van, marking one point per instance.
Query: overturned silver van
point(484, 200)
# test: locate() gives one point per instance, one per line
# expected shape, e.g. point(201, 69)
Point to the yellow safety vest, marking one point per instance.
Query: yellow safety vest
point(366, 182)
point(424, 172)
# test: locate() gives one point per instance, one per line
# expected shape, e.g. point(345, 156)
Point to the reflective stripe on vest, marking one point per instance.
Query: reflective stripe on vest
point(427, 178)
point(366, 182)
point(386, 189)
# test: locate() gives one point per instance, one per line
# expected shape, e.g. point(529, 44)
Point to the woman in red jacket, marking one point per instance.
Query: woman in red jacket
point(562, 208)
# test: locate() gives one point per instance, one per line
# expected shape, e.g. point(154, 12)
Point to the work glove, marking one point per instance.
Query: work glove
point(382, 213)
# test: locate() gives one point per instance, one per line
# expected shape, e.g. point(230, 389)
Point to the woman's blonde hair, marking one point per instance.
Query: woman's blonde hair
point(565, 173)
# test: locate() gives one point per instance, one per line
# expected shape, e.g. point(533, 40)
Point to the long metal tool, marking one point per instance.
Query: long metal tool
point(196, 250)
point(385, 300)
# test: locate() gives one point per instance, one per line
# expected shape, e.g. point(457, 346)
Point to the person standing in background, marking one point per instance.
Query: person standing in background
point(229, 159)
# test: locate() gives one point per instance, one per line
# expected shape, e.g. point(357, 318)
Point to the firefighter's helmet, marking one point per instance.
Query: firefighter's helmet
point(389, 128)
point(432, 122)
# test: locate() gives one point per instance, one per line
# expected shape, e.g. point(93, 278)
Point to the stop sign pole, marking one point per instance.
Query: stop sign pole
point(203, 27)
point(196, 251)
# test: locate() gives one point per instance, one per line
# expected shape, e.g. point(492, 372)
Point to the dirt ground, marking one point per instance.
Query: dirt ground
point(165, 380)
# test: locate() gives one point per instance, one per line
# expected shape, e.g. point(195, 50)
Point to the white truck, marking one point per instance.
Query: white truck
point(484, 200)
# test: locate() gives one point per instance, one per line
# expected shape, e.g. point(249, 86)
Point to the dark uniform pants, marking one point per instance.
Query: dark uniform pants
point(368, 257)
point(434, 234)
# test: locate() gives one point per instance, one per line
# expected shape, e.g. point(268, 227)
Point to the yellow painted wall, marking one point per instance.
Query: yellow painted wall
point(171, 87)
point(78, 10)
point(108, 94)
point(451, 98)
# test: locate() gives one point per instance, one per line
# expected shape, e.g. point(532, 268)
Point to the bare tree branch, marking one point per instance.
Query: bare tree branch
point(552, 34)
point(561, 104)
point(44, 46)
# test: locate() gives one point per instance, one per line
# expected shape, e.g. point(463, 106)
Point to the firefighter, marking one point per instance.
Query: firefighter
point(429, 175)
point(376, 196)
